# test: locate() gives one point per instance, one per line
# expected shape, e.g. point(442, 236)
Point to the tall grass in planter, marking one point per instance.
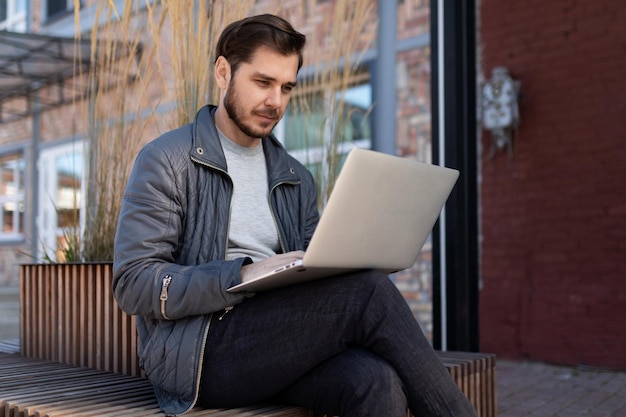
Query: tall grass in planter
point(146, 57)
point(338, 36)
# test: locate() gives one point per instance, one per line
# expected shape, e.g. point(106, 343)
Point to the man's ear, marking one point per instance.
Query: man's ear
point(222, 72)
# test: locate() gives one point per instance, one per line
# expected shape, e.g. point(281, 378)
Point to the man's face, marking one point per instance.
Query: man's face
point(259, 91)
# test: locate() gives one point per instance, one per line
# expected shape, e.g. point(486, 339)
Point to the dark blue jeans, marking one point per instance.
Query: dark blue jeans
point(346, 346)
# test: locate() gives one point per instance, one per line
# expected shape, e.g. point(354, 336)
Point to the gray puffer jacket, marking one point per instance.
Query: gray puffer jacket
point(170, 247)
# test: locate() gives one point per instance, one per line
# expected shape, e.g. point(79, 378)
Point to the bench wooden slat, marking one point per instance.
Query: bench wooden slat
point(117, 407)
point(64, 392)
point(84, 406)
point(267, 411)
point(140, 396)
point(18, 375)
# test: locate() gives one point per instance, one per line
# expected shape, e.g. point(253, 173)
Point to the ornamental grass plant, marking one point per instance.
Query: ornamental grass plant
point(151, 70)
point(149, 73)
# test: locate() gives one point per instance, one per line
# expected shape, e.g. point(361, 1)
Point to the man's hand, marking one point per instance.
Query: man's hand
point(267, 265)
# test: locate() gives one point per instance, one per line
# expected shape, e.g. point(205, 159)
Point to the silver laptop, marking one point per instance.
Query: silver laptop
point(378, 216)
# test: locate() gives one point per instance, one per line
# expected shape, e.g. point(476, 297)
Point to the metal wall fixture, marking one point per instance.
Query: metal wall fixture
point(500, 109)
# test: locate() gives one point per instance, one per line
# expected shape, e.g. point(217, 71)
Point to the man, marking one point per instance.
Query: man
point(212, 203)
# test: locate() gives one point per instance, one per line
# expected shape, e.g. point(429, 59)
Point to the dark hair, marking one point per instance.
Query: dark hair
point(240, 39)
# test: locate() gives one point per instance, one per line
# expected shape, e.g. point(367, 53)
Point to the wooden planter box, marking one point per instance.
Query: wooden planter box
point(68, 315)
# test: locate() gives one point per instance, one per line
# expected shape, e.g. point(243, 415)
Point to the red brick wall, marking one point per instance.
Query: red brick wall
point(554, 214)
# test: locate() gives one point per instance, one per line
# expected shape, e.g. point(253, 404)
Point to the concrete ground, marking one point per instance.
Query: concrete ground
point(523, 389)
point(542, 390)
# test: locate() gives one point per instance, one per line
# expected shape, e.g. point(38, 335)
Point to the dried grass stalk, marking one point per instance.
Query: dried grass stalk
point(338, 39)
point(128, 64)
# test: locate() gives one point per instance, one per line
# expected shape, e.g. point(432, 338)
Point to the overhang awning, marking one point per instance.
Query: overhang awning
point(31, 62)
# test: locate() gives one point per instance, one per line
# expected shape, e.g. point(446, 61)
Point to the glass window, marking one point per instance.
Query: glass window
point(55, 7)
point(61, 201)
point(306, 128)
point(12, 170)
point(13, 15)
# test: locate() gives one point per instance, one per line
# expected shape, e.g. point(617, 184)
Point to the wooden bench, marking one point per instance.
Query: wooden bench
point(78, 354)
point(33, 387)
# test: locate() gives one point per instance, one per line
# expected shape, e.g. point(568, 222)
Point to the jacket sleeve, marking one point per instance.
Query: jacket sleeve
point(147, 281)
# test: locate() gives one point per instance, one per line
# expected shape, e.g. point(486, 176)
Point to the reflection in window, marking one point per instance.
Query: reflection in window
point(305, 130)
point(12, 170)
point(55, 7)
point(320, 128)
point(69, 170)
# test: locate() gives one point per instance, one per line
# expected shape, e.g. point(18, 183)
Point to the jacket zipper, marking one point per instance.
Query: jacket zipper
point(226, 311)
point(164, 286)
point(163, 297)
point(230, 204)
point(200, 364)
point(230, 208)
point(280, 237)
point(208, 325)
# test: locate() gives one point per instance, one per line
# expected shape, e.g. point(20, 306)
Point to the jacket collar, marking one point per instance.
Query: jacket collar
point(207, 149)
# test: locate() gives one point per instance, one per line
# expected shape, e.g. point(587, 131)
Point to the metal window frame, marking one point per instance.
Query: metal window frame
point(455, 238)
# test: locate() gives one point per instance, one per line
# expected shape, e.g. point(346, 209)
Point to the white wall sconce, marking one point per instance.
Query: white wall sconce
point(500, 110)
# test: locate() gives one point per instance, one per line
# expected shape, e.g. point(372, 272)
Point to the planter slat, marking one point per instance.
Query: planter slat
point(68, 315)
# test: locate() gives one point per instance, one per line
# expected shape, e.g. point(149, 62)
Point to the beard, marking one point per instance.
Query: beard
point(237, 113)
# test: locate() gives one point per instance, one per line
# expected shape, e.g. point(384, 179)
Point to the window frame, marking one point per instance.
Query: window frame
point(15, 20)
point(314, 155)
